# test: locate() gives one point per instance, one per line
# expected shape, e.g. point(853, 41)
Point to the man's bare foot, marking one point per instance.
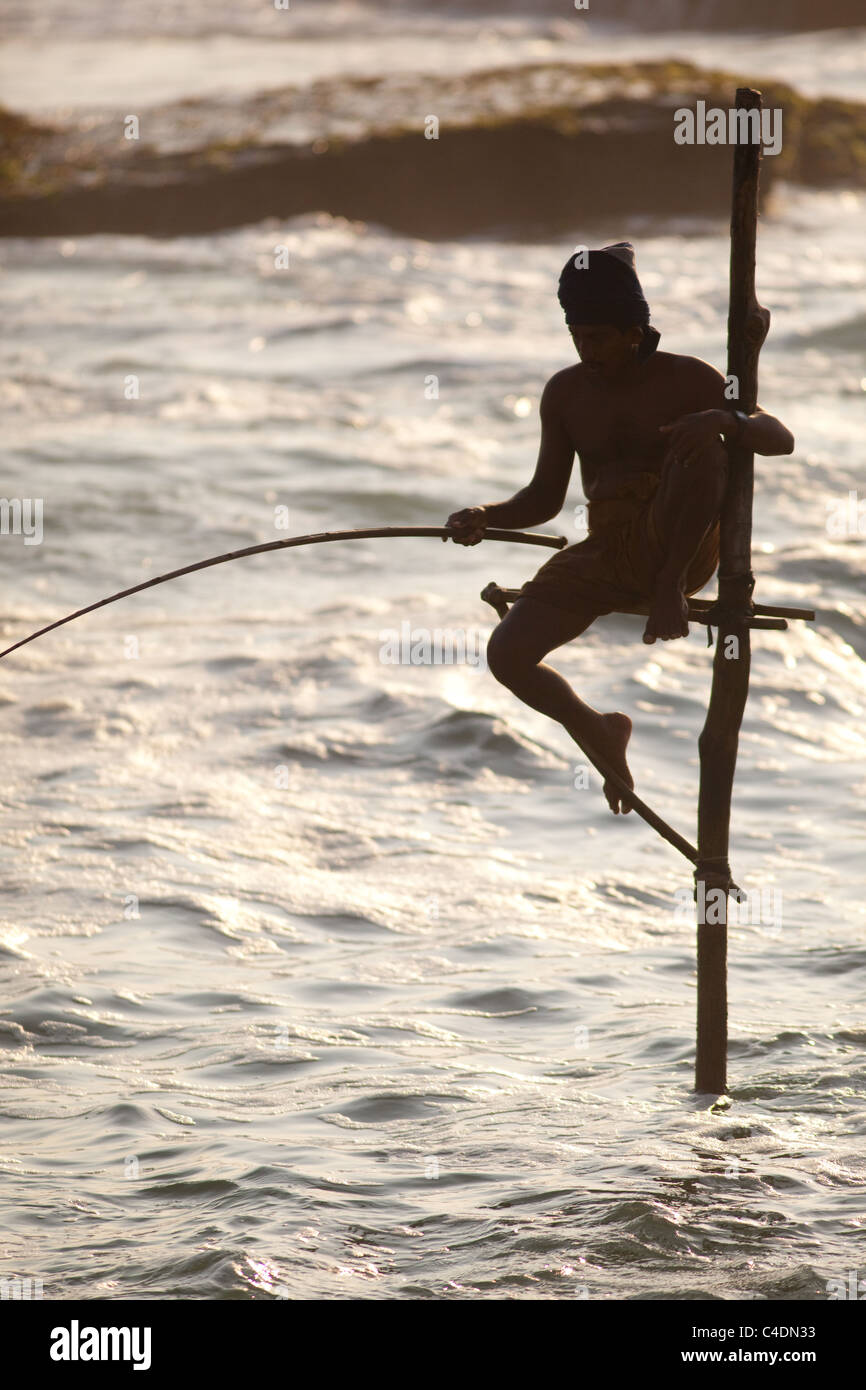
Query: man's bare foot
point(611, 746)
point(668, 615)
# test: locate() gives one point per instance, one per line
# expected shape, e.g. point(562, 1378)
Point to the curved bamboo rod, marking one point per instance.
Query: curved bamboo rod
point(316, 538)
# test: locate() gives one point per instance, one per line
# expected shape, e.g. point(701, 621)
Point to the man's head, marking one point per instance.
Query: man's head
point(605, 349)
point(605, 309)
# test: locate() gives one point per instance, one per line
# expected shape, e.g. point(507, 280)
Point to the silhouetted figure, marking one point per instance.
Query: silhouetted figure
point(648, 429)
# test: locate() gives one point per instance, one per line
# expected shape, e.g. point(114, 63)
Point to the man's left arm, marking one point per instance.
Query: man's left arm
point(761, 433)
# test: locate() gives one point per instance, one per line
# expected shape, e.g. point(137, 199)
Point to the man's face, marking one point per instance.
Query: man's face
point(603, 349)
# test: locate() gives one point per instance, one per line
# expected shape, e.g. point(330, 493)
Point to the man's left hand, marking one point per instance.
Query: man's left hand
point(690, 434)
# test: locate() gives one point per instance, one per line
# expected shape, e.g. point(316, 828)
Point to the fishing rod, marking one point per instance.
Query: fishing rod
point(319, 538)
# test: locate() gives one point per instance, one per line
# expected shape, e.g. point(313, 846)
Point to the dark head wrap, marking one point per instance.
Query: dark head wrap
point(607, 290)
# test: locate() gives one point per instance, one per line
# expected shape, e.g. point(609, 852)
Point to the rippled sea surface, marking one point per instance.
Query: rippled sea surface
point(326, 976)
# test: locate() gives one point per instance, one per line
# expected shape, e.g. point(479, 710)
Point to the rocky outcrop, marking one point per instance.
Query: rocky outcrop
point(520, 151)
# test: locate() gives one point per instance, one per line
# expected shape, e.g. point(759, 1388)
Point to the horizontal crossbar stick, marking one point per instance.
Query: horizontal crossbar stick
point(318, 538)
point(703, 614)
point(764, 610)
point(765, 615)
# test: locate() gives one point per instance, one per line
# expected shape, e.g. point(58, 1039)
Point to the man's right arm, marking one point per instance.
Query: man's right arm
point(543, 496)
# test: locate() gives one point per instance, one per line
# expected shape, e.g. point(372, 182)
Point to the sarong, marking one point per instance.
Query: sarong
point(615, 568)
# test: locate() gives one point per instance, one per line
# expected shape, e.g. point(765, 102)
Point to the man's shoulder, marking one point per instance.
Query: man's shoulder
point(562, 385)
point(675, 364)
point(565, 376)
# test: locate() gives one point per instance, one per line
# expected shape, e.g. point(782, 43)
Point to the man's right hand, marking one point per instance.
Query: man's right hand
point(468, 525)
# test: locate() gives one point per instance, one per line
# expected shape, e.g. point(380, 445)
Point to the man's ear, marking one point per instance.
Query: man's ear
point(635, 336)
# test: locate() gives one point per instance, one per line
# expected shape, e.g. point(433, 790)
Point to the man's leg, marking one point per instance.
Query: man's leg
point(684, 508)
point(514, 654)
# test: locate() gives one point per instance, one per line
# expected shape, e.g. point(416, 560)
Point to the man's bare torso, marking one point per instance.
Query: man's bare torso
point(614, 427)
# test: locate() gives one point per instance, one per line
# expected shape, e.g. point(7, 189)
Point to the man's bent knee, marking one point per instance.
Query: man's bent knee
point(708, 464)
point(505, 659)
point(710, 458)
point(713, 455)
point(529, 631)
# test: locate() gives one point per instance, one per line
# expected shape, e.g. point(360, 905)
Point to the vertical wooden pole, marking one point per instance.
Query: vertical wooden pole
point(748, 324)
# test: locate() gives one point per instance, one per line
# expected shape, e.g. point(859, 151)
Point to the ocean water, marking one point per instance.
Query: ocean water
point(67, 55)
point(322, 976)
